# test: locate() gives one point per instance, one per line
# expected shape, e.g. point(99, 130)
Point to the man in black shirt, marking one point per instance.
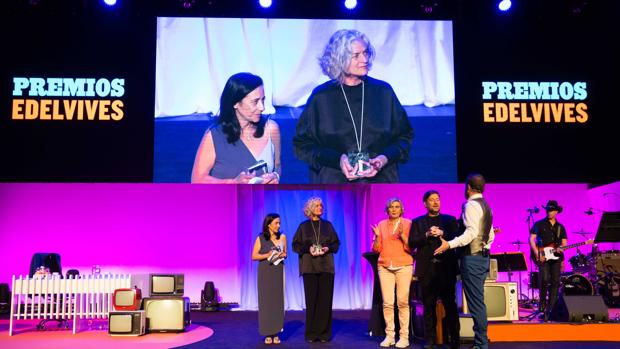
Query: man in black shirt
point(548, 232)
point(437, 274)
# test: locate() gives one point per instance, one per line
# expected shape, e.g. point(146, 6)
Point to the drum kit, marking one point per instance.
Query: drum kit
point(596, 273)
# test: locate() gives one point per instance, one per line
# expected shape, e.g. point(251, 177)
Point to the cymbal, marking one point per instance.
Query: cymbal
point(581, 232)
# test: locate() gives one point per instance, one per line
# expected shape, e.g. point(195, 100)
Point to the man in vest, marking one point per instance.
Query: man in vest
point(476, 241)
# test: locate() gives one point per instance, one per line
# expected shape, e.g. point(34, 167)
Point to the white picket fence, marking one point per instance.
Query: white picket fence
point(53, 298)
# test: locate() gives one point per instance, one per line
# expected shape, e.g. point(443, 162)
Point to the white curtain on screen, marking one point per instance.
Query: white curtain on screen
point(195, 57)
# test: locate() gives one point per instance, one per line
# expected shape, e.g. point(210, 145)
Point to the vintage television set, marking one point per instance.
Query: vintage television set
point(167, 314)
point(127, 299)
point(501, 299)
point(127, 323)
point(166, 284)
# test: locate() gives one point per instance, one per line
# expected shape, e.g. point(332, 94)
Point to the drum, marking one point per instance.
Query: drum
point(577, 285)
point(581, 263)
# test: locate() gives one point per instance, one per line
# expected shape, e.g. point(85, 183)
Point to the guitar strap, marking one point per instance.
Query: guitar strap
point(557, 234)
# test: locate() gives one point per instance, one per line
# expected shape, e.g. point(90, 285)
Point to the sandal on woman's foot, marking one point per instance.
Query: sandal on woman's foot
point(276, 340)
point(268, 340)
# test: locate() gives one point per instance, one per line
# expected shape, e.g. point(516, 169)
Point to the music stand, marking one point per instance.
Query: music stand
point(509, 262)
point(608, 228)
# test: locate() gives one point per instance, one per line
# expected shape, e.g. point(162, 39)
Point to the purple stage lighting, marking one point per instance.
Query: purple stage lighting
point(350, 4)
point(504, 5)
point(265, 3)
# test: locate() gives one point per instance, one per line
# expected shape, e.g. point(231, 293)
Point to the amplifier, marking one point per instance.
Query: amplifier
point(608, 263)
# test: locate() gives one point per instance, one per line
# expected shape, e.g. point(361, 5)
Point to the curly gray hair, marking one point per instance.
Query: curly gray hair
point(337, 55)
point(310, 205)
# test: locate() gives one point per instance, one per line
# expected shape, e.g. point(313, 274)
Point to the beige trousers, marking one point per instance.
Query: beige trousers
point(401, 280)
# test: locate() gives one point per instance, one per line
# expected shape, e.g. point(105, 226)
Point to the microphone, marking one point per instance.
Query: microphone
point(589, 212)
point(535, 209)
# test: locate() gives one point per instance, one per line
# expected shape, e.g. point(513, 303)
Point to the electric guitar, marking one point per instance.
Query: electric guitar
point(553, 251)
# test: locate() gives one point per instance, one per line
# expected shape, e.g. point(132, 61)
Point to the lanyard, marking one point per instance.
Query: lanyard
point(358, 140)
point(316, 235)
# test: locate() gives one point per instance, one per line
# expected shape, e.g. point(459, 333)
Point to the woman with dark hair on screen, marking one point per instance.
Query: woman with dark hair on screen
point(316, 242)
point(353, 128)
point(241, 138)
point(270, 250)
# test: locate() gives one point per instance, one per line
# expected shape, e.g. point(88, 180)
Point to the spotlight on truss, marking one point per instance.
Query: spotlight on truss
point(265, 3)
point(350, 4)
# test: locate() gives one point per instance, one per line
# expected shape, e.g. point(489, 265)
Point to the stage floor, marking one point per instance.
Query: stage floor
point(239, 329)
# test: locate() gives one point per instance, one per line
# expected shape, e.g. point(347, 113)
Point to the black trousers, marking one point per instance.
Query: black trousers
point(549, 284)
point(439, 284)
point(319, 291)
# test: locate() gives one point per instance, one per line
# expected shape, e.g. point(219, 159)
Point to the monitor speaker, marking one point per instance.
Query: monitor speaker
point(580, 309)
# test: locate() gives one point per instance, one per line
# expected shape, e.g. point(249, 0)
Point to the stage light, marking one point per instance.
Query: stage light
point(265, 3)
point(187, 4)
point(208, 297)
point(350, 4)
point(428, 6)
point(110, 2)
point(577, 7)
point(504, 5)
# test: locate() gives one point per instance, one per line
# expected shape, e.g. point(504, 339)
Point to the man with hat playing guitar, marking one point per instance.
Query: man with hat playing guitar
point(548, 232)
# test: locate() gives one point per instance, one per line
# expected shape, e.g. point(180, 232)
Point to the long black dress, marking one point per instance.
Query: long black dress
point(270, 292)
point(325, 131)
point(318, 274)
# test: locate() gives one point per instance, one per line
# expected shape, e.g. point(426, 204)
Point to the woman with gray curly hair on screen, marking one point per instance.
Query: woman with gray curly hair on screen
point(353, 128)
point(316, 242)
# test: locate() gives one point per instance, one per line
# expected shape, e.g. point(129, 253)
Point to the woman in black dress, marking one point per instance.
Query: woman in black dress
point(316, 241)
point(270, 251)
point(353, 128)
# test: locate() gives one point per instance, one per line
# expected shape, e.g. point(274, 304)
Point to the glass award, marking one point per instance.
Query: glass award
point(317, 249)
point(361, 159)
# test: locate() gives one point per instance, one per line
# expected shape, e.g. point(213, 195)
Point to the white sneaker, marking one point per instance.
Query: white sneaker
point(387, 342)
point(402, 343)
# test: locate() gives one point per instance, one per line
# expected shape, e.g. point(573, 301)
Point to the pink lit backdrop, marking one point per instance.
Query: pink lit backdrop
point(202, 230)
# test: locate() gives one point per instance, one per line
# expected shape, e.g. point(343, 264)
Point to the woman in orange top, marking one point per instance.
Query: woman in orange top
point(395, 270)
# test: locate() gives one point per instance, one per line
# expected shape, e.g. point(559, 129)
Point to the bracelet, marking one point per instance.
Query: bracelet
point(277, 175)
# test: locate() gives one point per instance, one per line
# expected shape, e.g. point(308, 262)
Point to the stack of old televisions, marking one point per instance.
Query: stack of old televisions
point(164, 310)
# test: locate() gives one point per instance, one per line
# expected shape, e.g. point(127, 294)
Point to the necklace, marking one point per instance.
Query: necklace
point(248, 135)
point(358, 139)
point(274, 240)
point(316, 235)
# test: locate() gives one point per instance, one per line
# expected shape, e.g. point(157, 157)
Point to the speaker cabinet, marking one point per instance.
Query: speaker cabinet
point(580, 309)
